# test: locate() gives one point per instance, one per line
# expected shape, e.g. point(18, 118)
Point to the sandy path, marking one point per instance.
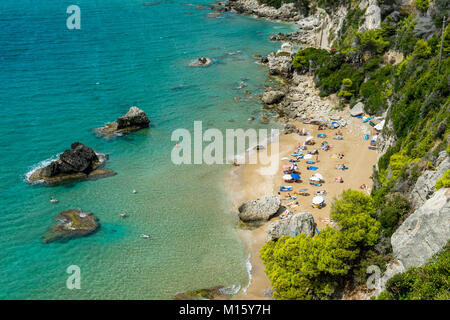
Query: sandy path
point(251, 181)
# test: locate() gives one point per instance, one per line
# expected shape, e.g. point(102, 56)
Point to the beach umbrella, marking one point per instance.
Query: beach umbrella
point(314, 178)
point(309, 138)
point(287, 177)
point(285, 158)
point(295, 176)
point(318, 200)
point(319, 176)
point(308, 156)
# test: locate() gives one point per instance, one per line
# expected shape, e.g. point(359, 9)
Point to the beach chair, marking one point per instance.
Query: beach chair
point(286, 188)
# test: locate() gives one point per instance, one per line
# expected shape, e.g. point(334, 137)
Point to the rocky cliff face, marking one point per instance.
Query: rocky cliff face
point(423, 234)
point(424, 187)
point(286, 12)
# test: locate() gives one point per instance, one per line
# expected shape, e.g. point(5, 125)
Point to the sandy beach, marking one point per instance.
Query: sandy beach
point(252, 181)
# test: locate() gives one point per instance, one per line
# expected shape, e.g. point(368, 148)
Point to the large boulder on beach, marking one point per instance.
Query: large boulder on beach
point(259, 210)
point(135, 119)
point(77, 163)
point(72, 223)
point(300, 223)
point(357, 110)
point(273, 96)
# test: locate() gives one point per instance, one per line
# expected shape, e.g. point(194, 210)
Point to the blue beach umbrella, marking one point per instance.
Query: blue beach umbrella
point(295, 176)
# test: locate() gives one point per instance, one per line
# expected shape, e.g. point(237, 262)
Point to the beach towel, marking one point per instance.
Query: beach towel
point(310, 162)
point(338, 138)
point(315, 184)
point(286, 188)
point(312, 168)
point(372, 147)
point(321, 135)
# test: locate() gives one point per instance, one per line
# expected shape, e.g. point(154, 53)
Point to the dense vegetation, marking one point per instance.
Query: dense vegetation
point(414, 96)
point(310, 268)
point(429, 282)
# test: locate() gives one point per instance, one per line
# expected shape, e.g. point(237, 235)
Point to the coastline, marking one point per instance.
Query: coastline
point(247, 182)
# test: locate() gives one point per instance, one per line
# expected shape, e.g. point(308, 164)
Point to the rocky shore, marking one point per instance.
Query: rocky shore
point(134, 120)
point(296, 97)
point(72, 223)
point(80, 162)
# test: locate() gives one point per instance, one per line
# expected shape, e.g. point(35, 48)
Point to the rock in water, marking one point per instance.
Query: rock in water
point(424, 232)
point(259, 210)
point(271, 97)
point(201, 62)
point(72, 223)
point(134, 120)
point(358, 109)
point(300, 223)
point(78, 163)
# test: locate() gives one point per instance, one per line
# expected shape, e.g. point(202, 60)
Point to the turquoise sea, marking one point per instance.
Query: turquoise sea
point(56, 85)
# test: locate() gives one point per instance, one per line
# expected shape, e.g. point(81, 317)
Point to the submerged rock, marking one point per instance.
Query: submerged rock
point(217, 292)
point(259, 210)
point(135, 119)
point(72, 223)
point(78, 163)
point(302, 222)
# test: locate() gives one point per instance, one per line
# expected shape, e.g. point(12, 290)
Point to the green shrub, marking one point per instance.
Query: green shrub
point(422, 4)
point(302, 267)
point(372, 41)
point(428, 282)
point(444, 181)
point(303, 58)
point(422, 49)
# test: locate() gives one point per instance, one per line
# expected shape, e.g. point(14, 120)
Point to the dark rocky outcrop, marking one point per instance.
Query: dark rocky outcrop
point(72, 223)
point(78, 163)
point(135, 119)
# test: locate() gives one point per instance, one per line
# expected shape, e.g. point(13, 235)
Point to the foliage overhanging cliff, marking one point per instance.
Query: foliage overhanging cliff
point(397, 72)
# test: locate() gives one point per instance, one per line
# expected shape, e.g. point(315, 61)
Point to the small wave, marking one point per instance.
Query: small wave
point(40, 165)
point(231, 290)
point(248, 266)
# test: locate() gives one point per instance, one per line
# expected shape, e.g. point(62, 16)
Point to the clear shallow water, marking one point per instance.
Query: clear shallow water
point(56, 85)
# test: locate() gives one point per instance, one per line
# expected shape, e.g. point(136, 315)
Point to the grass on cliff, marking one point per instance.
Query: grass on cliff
point(428, 282)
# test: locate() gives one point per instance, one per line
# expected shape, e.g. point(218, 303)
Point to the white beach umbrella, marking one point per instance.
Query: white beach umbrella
point(285, 158)
point(287, 177)
point(309, 138)
point(314, 178)
point(308, 156)
point(318, 200)
point(318, 176)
